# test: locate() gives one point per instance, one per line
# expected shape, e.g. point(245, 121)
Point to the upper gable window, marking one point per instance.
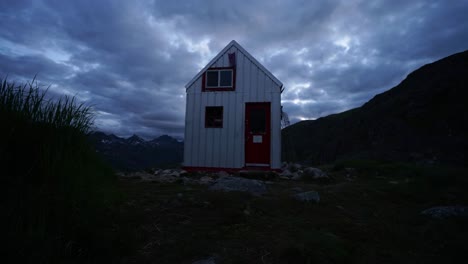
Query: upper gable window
point(219, 79)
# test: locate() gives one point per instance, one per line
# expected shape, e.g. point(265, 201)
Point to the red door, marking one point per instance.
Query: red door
point(257, 134)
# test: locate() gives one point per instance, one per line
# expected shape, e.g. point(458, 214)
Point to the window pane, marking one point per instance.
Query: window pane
point(226, 78)
point(257, 120)
point(212, 78)
point(214, 116)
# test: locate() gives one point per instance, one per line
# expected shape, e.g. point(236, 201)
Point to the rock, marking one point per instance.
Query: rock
point(286, 174)
point(188, 181)
point(310, 196)
point(133, 177)
point(296, 176)
point(183, 173)
point(442, 212)
point(144, 176)
point(206, 180)
point(164, 178)
point(222, 174)
point(210, 260)
point(174, 174)
point(314, 173)
point(231, 183)
point(258, 174)
point(166, 171)
point(294, 167)
point(296, 189)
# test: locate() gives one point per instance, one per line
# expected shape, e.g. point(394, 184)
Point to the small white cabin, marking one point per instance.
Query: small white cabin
point(233, 115)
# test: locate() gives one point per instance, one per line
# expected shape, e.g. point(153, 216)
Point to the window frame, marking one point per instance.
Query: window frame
point(219, 88)
point(207, 125)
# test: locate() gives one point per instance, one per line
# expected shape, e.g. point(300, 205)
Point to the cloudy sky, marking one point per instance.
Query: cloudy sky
point(131, 59)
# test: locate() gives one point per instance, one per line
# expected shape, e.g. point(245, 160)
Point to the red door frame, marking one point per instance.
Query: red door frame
point(257, 145)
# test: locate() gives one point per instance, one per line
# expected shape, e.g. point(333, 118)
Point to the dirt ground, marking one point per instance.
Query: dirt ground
point(362, 217)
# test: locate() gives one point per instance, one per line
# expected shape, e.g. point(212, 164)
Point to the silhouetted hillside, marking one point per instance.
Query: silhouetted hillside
point(424, 119)
point(135, 153)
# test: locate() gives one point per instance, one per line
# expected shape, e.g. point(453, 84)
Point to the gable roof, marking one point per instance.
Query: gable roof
point(241, 49)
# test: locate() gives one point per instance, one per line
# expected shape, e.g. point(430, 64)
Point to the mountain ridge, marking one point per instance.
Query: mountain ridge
point(135, 153)
point(423, 119)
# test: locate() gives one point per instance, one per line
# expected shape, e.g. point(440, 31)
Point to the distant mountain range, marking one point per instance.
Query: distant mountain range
point(135, 153)
point(423, 119)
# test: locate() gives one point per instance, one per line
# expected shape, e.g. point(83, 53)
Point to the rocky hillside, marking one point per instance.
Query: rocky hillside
point(423, 119)
point(135, 153)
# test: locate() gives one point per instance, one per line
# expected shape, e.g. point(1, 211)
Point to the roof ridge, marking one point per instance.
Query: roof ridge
point(245, 52)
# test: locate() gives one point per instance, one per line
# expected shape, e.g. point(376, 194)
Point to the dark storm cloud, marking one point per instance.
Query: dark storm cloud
point(131, 60)
point(30, 65)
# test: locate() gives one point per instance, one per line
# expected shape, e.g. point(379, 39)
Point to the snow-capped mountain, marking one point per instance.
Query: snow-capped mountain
point(136, 153)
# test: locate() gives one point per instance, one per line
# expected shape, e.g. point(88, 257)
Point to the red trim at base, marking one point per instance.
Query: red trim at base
point(228, 170)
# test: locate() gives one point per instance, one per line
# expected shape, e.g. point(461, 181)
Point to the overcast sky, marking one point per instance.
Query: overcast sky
point(131, 59)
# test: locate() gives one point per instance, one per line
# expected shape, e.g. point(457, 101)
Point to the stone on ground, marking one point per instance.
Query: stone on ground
point(310, 196)
point(222, 174)
point(442, 212)
point(231, 183)
point(314, 173)
point(210, 260)
point(206, 180)
point(286, 174)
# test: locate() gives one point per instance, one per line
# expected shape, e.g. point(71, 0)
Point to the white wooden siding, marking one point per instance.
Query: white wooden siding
point(224, 147)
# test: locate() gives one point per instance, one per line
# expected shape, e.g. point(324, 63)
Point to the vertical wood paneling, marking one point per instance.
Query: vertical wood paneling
point(268, 90)
point(226, 58)
point(228, 102)
point(218, 142)
point(213, 134)
point(195, 116)
point(231, 138)
point(224, 139)
point(240, 73)
point(224, 147)
point(261, 87)
point(239, 131)
point(253, 83)
point(275, 131)
point(246, 80)
point(209, 133)
point(201, 155)
point(188, 140)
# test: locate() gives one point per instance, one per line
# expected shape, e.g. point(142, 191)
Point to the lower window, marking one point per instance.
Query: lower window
point(213, 116)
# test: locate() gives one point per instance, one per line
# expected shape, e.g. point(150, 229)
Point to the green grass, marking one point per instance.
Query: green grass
point(55, 191)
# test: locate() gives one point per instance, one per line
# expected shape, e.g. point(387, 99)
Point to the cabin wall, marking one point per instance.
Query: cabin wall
point(224, 147)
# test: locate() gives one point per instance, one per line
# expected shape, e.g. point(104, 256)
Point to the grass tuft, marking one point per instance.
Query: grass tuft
point(55, 189)
point(27, 102)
